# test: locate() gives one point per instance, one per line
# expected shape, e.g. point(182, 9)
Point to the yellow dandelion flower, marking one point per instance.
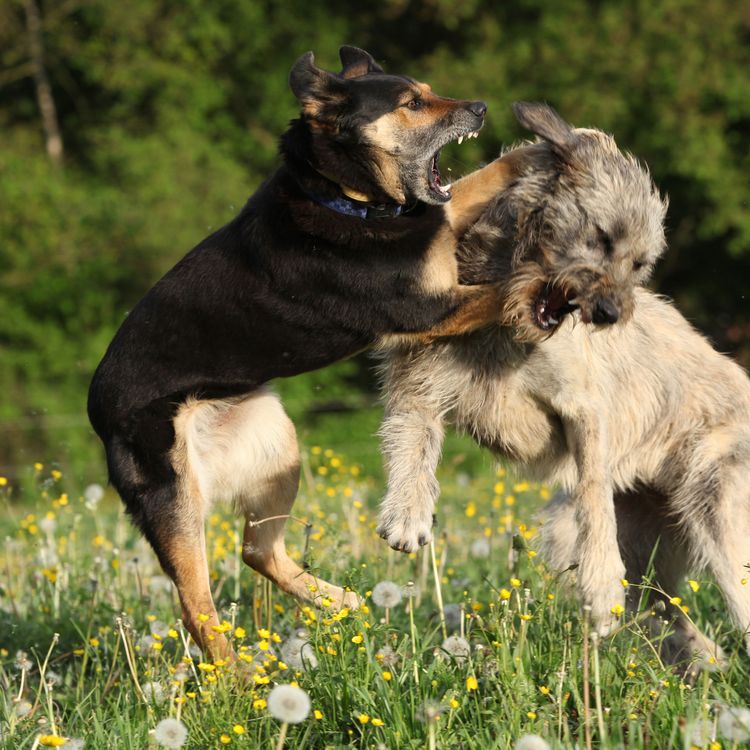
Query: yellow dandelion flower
point(676, 600)
point(471, 683)
point(203, 618)
point(225, 739)
point(203, 666)
point(317, 714)
point(56, 474)
point(526, 617)
point(625, 582)
point(694, 585)
point(172, 633)
point(377, 722)
point(238, 729)
point(363, 718)
point(51, 740)
point(617, 610)
point(387, 676)
point(94, 642)
point(453, 703)
point(531, 714)
point(515, 582)
point(38, 466)
point(357, 639)
point(544, 690)
point(471, 509)
point(3, 481)
point(504, 594)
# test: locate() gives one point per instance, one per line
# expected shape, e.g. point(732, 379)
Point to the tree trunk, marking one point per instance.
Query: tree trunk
point(52, 137)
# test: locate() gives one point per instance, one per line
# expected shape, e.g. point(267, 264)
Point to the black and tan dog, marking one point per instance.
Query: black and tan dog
point(349, 243)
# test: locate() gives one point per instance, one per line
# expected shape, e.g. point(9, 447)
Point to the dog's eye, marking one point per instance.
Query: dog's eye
point(415, 104)
point(605, 241)
point(638, 264)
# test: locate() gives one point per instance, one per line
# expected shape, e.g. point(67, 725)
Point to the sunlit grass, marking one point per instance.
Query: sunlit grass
point(91, 650)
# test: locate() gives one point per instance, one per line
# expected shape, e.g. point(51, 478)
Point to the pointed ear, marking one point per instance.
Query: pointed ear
point(545, 122)
point(357, 62)
point(313, 87)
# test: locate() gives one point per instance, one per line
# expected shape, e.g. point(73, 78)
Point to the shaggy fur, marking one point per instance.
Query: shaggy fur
point(644, 425)
point(350, 243)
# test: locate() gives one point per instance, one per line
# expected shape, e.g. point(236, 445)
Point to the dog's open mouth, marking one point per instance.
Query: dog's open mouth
point(434, 182)
point(551, 305)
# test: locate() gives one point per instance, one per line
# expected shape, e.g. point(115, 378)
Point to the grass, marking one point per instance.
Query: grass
point(86, 617)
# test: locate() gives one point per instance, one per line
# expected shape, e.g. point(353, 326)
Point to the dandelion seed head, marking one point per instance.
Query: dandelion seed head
point(457, 647)
point(387, 656)
point(92, 495)
point(734, 723)
point(298, 653)
point(410, 591)
point(429, 712)
point(289, 704)
point(22, 708)
point(170, 733)
point(153, 692)
point(386, 594)
point(531, 742)
point(480, 548)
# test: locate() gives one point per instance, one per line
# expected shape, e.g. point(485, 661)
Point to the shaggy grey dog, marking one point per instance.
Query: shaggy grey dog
point(644, 425)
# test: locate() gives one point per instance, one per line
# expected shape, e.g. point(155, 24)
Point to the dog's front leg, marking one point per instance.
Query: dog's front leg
point(412, 441)
point(600, 566)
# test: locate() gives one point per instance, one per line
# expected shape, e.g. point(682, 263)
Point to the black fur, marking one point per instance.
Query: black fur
point(287, 286)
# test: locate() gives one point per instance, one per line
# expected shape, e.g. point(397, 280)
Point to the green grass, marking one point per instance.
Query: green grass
point(80, 591)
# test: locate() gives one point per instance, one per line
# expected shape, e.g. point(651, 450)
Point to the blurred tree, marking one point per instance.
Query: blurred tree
point(170, 115)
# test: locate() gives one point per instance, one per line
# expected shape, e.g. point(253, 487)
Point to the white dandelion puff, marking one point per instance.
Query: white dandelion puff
point(48, 525)
point(456, 647)
point(734, 723)
point(387, 657)
point(22, 708)
point(298, 653)
point(386, 594)
point(170, 733)
point(153, 692)
point(92, 495)
point(410, 591)
point(159, 628)
point(289, 704)
point(531, 742)
point(75, 743)
point(480, 548)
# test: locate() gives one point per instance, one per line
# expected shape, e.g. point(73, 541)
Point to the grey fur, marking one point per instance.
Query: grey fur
point(644, 425)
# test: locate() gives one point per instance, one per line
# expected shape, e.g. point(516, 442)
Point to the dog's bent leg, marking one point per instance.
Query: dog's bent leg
point(245, 450)
point(600, 569)
point(713, 508)
point(412, 440)
point(473, 193)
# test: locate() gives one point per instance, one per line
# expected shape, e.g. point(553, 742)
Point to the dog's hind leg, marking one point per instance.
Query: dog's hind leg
point(713, 509)
point(245, 450)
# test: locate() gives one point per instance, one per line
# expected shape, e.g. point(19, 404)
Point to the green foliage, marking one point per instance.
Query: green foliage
point(76, 573)
point(170, 117)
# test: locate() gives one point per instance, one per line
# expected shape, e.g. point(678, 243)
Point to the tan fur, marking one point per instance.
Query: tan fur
point(645, 403)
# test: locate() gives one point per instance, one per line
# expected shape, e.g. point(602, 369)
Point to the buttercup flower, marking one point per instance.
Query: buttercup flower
point(289, 704)
point(170, 733)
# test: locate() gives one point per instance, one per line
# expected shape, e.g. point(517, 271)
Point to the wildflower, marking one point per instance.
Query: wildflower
point(386, 594)
point(410, 591)
point(531, 742)
point(734, 723)
point(363, 718)
point(515, 583)
point(153, 692)
point(387, 657)
point(456, 647)
point(22, 708)
point(471, 683)
point(170, 733)
point(51, 740)
point(317, 714)
point(504, 595)
point(694, 585)
point(298, 653)
point(259, 704)
point(453, 703)
point(377, 722)
point(387, 676)
point(429, 712)
point(48, 525)
point(357, 639)
point(289, 704)
point(225, 739)
point(239, 632)
point(617, 610)
point(480, 548)
point(238, 729)
point(22, 662)
point(92, 495)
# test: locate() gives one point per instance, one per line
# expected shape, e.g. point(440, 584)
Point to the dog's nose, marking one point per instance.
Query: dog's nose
point(605, 311)
point(477, 108)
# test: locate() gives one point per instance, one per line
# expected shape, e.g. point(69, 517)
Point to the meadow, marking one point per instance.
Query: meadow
point(476, 645)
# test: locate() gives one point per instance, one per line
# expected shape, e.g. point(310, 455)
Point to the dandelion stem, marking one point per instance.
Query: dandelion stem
point(438, 591)
point(598, 689)
point(282, 736)
point(413, 631)
point(586, 696)
point(431, 735)
point(130, 660)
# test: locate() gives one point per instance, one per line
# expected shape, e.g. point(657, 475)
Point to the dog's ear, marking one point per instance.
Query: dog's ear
point(315, 88)
point(356, 62)
point(545, 122)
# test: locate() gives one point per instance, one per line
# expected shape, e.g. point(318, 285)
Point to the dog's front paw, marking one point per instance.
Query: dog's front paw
point(606, 599)
point(406, 530)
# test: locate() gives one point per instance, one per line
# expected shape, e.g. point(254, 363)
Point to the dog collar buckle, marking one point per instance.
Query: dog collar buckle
point(362, 210)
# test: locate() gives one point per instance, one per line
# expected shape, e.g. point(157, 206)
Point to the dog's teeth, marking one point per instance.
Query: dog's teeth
point(552, 319)
point(460, 139)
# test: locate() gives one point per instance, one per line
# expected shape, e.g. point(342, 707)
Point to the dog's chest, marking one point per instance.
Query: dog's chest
point(502, 413)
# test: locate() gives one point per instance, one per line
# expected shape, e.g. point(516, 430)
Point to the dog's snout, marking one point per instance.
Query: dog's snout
point(605, 311)
point(477, 108)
